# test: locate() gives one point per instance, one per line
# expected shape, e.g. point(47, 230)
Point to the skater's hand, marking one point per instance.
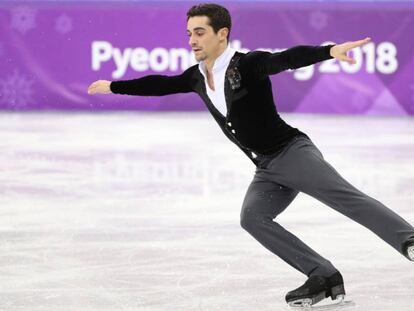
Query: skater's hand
point(100, 86)
point(339, 51)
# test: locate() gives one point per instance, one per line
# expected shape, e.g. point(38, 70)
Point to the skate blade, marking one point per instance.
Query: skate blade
point(308, 304)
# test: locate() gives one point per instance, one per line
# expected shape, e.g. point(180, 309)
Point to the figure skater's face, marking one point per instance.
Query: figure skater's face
point(204, 42)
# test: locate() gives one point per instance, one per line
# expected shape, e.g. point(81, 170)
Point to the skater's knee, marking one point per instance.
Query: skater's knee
point(246, 222)
point(246, 218)
point(250, 220)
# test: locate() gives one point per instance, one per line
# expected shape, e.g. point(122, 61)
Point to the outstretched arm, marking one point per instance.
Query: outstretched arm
point(266, 63)
point(151, 85)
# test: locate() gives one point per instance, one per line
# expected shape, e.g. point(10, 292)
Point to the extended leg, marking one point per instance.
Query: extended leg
point(303, 167)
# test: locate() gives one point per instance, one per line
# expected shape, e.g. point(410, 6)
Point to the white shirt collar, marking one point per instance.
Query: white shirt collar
point(221, 62)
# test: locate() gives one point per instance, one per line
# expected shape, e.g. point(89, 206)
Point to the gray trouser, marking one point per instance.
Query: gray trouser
point(300, 166)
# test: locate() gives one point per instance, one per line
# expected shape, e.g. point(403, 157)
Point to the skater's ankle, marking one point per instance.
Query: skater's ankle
point(326, 273)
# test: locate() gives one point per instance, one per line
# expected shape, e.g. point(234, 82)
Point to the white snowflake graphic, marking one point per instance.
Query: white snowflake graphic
point(23, 19)
point(318, 20)
point(63, 24)
point(16, 91)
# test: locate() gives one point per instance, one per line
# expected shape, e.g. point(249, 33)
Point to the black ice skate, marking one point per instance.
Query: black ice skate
point(317, 288)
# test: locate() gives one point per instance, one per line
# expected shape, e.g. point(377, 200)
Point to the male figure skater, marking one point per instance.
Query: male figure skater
point(237, 91)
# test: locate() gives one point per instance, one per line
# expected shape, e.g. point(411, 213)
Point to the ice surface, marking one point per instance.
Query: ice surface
point(141, 211)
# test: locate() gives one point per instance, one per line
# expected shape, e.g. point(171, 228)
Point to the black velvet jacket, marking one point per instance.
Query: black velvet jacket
point(252, 121)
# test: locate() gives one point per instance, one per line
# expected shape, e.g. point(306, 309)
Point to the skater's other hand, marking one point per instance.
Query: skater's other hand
point(339, 51)
point(99, 86)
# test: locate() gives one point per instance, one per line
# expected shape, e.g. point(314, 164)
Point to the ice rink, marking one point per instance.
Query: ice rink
point(141, 211)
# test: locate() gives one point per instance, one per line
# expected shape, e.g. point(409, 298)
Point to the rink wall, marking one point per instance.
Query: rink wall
point(51, 51)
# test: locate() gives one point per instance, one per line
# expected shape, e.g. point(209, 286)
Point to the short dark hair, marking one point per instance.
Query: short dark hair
point(218, 15)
